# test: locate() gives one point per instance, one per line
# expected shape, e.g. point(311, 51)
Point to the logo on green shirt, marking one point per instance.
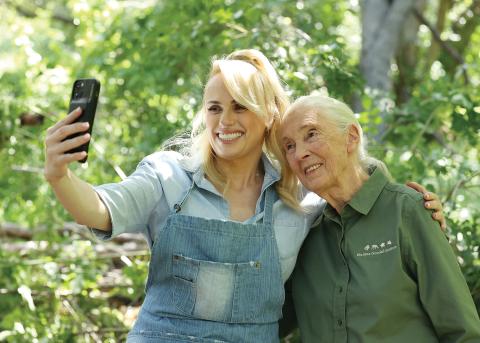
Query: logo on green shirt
point(377, 248)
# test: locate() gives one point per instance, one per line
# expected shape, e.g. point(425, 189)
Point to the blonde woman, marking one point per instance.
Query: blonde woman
point(374, 268)
point(223, 227)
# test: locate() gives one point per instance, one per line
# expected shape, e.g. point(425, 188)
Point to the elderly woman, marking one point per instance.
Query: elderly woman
point(374, 268)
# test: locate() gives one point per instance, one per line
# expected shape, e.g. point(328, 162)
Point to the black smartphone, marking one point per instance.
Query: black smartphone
point(85, 94)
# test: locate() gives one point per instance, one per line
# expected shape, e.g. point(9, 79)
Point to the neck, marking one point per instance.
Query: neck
point(345, 188)
point(241, 174)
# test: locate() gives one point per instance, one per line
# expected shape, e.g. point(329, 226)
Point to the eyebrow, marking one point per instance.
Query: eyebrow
point(303, 127)
point(306, 126)
point(215, 102)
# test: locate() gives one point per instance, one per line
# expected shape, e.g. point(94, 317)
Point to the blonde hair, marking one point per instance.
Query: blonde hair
point(341, 117)
point(252, 82)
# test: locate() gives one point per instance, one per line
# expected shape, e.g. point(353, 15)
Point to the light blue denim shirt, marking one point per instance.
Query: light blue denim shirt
point(142, 202)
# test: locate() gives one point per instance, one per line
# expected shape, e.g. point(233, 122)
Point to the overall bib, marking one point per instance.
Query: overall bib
point(212, 281)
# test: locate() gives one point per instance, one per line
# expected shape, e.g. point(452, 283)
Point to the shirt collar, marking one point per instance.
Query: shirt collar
point(368, 194)
point(198, 175)
point(363, 200)
point(271, 172)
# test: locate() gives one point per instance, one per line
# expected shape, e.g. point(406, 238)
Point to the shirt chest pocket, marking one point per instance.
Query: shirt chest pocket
point(216, 291)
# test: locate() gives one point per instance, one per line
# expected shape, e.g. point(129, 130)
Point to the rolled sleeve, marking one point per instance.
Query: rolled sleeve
point(131, 201)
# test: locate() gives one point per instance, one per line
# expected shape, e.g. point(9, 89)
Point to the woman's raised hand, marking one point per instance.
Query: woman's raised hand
point(56, 158)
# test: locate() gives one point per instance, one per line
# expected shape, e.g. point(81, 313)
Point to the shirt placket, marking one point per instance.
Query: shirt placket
point(340, 296)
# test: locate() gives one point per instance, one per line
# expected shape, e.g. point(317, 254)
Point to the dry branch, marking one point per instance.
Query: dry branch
point(460, 183)
point(436, 35)
point(13, 230)
point(102, 251)
point(447, 47)
point(23, 11)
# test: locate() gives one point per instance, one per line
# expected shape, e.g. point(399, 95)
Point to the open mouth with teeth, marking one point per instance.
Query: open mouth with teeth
point(312, 168)
point(228, 137)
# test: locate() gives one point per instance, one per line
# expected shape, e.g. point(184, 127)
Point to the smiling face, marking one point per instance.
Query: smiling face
point(315, 149)
point(235, 133)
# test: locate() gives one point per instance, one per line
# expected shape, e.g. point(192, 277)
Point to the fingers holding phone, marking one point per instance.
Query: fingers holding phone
point(58, 144)
point(68, 140)
point(70, 135)
point(70, 118)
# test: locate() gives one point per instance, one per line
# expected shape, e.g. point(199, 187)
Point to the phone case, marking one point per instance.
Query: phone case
point(85, 94)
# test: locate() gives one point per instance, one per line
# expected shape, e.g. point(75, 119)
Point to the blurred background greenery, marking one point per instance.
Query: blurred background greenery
point(409, 68)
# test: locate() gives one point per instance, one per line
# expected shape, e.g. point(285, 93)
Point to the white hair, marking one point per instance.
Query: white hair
point(341, 117)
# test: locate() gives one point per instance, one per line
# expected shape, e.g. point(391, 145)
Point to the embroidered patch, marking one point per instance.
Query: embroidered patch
point(377, 248)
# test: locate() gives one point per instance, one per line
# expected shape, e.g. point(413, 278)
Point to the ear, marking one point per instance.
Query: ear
point(353, 138)
point(269, 123)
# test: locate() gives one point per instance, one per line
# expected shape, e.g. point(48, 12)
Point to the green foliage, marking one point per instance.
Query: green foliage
point(152, 58)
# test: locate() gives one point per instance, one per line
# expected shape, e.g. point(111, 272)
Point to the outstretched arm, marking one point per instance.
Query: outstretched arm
point(77, 196)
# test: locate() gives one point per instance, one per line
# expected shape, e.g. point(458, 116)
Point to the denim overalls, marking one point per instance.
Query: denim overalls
point(212, 281)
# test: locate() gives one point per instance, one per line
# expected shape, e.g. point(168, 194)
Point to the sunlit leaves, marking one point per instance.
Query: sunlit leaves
point(152, 58)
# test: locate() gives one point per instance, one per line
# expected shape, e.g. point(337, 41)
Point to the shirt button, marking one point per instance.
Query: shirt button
point(340, 289)
point(339, 322)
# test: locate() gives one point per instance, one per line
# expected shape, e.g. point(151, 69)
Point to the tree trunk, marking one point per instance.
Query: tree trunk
point(382, 23)
point(435, 48)
point(407, 56)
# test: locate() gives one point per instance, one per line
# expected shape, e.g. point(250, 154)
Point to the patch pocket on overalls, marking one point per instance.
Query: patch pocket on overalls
point(204, 289)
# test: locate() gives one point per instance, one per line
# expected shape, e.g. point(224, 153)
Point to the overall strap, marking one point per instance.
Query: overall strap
point(178, 206)
point(270, 198)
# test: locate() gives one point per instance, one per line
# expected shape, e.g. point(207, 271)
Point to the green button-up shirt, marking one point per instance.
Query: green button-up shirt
point(381, 271)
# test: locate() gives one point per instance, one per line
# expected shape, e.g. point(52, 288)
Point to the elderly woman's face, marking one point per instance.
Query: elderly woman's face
point(314, 149)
